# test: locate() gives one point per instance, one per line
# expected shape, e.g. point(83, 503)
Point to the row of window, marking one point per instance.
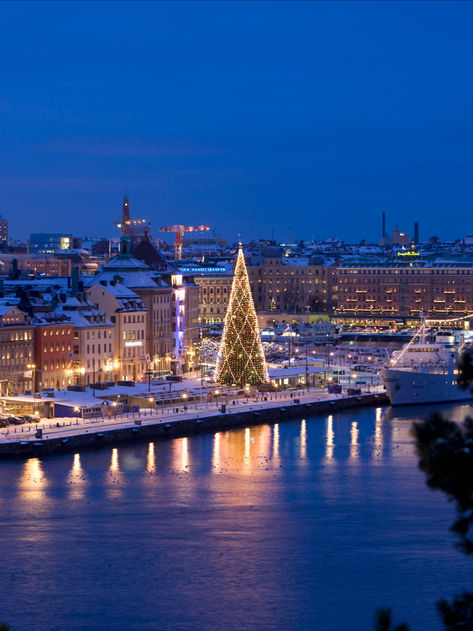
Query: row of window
point(133, 335)
point(91, 334)
point(99, 348)
point(57, 332)
point(133, 318)
point(16, 336)
point(17, 354)
point(217, 290)
point(405, 271)
point(55, 365)
point(56, 348)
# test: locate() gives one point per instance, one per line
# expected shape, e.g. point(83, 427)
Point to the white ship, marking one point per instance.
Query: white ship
point(425, 371)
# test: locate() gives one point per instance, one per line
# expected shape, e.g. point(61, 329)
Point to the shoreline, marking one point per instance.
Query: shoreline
point(159, 428)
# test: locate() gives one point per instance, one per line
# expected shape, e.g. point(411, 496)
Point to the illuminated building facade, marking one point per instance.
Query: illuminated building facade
point(124, 308)
point(214, 293)
point(289, 285)
point(94, 342)
point(53, 351)
point(48, 242)
point(404, 290)
point(36, 264)
point(16, 351)
point(185, 324)
point(154, 292)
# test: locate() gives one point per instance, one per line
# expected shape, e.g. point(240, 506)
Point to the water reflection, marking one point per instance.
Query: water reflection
point(77, 479)
point(151, 461)
point(181, 454)
point(240, 511)
point(33, 482)
point(354, 432)
point(216, 452)
point(246, 458)
point(329, 442)
point(303, 440)
point(114, 466)
point(276, 444)
point(114, 476)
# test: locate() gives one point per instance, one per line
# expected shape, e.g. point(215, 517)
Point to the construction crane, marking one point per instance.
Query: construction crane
point(179, 232)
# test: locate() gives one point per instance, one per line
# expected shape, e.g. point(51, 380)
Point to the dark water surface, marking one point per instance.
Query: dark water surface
point(309, 524)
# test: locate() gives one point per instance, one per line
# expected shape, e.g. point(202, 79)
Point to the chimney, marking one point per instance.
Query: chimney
point(416, 232)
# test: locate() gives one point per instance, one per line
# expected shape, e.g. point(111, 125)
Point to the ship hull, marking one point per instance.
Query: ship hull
point(405, 387)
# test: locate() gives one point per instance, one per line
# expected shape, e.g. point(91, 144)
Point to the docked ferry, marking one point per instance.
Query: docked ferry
point(425, 371)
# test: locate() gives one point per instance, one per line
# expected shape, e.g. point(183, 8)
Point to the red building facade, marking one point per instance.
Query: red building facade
point(53, 355)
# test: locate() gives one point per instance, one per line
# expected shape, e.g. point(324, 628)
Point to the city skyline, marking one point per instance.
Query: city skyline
point(317, 116)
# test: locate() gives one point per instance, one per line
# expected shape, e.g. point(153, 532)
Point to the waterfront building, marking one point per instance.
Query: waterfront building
point(94, 342)
point(290, 284)
point(16, 351)
point(403, 288)
point(126, 311)
point(53, 350)
point(155, 294)
point(214, 293)
point(185, 323)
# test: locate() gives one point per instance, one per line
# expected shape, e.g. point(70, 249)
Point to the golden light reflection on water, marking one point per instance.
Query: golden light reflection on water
point(245, 451)
point(276, 443)
point(114, 465)
point(151, 461)
point(33, 482)
point(77, 479)
point(329, 442)
point(303, 440)
point(354, 432)
point(246, 457)
point(216, 452)
point(181, 454)
point(114, 476)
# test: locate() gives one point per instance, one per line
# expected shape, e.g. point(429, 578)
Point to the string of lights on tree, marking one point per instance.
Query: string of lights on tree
point(241, 360)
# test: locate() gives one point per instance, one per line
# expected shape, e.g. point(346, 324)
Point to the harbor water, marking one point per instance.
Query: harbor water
point(308, 524)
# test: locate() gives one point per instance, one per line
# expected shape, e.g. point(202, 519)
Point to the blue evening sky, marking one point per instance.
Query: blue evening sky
point(251, 117)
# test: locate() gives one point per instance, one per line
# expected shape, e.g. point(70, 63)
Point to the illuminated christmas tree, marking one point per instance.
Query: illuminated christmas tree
point(241, 359)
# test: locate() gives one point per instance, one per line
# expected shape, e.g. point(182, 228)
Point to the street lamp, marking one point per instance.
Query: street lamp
point(33, 368)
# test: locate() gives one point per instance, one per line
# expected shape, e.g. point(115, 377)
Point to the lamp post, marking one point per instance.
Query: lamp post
point(306, 369)
point(32, 367)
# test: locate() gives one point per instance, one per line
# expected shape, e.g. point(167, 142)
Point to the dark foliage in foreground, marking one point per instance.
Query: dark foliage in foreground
point(445, 452)
point(446, 456)
point(384, 622)
point(457, 616)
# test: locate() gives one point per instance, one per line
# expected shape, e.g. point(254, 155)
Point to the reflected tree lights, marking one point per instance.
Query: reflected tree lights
point(216, 452)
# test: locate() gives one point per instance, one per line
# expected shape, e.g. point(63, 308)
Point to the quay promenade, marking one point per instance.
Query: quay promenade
point(52, 436)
